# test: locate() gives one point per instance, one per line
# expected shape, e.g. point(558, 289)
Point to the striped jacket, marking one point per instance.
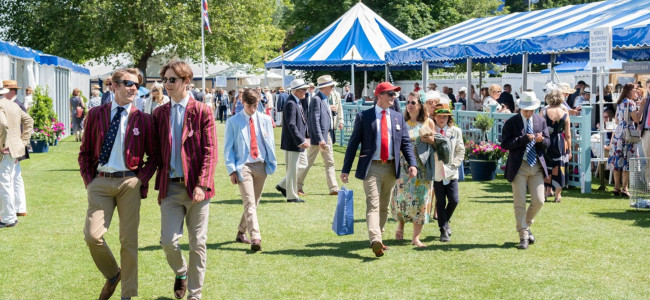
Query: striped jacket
point(139, 140)
point(198, 151)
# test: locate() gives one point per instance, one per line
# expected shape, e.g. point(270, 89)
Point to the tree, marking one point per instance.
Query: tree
point(84, 29)
point(522, 5)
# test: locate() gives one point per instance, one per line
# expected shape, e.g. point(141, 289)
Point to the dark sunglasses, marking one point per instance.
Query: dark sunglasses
point(412, 102)
point(109, 84)
point(391, 93)
point(129, 83)
point(171, 79)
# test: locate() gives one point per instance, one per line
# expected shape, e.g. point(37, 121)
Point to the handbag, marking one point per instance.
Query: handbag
point(80, 112)
point(631, 135)
point(343, 223)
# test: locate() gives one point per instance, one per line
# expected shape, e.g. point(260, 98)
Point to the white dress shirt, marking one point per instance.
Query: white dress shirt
point(378, 114)
point(116, 160)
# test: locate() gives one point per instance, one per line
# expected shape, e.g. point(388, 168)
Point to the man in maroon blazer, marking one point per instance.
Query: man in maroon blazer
point(116, 138)
point(188, 156)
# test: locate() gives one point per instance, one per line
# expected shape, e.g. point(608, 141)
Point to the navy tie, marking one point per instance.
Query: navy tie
point(109, 137)
point(531, 154)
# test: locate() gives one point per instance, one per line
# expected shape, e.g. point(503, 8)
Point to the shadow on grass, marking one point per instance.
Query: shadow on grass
point(186, 247)
point(639, 217)
point(343, 250)
point(491, 201)
point(165, 298)
point(238, 201)
point(64, 170)
point(465, 247)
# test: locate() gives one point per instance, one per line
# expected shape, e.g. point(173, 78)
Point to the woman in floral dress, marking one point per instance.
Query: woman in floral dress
point(621, 150)
point(411, 201)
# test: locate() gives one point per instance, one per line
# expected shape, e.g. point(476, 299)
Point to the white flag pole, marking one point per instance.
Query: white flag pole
point(202, 49)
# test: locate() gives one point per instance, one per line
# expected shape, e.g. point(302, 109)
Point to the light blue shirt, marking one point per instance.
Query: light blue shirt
point(176, 127)
point(258, 135)
point(378, 114)
point(116, 159)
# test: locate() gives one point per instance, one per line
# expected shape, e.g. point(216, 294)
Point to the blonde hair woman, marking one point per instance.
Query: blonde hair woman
point(156, 98)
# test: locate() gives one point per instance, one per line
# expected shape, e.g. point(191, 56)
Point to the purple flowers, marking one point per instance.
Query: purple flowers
point(484, 150)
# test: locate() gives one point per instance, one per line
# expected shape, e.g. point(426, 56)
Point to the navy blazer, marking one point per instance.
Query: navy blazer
point(294, 125)
point(365, 133)
point(514, 139)
point(349, 97)
point(319, 122)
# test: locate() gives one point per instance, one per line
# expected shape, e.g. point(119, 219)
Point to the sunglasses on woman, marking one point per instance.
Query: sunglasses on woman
point(412, 102)
point(129, 83)
point(171, 79)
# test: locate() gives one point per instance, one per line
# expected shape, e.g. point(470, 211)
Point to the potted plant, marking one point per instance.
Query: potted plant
point(43, 113)
point(39, 141)
point(484, 123)
point(483, 158)
point(59, 130)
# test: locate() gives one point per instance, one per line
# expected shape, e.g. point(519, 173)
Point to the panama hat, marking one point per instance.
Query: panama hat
point(528, 101)
point(442, 109)
point(10, 84)
point(566, 88)
point(325, 81)
point(298, 84)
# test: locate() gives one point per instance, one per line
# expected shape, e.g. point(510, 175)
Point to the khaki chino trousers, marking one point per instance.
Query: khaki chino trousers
point(378, 187)
point(251, 191)
point(531, 178)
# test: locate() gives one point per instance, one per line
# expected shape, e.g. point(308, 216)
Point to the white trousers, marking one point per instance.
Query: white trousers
point(7, 199)
point(20, 202)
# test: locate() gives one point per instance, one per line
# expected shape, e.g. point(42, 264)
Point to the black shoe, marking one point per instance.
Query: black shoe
point(6, 225)
point(448, 227)
point(444, 236)
point(296, 200)
point(523, 244)
point(531, 238)
point(281, 190)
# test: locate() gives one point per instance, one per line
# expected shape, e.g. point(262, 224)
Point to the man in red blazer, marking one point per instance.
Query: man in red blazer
point(188, 156)
point(116, 138)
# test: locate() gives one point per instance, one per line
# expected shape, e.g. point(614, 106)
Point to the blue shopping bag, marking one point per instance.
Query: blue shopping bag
point(343, 223)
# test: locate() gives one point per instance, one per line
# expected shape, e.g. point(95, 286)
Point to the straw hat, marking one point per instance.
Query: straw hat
point(442, 109)
point(325, 81)
point(566, 88)
point(10, 84)
point(528, 101)
point(3, 90)
point(298, 84)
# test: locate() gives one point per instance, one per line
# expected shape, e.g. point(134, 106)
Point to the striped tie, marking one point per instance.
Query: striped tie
point(109, 137)
point(531, 154)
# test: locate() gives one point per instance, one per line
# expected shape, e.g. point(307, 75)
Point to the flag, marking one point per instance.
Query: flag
point(206, 20)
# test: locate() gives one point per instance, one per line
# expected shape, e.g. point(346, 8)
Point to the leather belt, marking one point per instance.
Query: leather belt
point(177, 179)
point(116, 174)
point(382, 162)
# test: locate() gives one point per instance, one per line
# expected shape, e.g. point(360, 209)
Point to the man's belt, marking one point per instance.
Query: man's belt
point(116, 174)
point(177, 179)
point(382, 162)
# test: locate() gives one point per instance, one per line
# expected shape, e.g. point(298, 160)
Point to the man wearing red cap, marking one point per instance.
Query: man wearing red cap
point(382, 134)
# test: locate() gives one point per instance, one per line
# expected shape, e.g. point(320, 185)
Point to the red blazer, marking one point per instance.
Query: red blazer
point(139, 140)
point(198, 149)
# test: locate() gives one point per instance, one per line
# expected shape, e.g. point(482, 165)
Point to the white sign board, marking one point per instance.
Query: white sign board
point(220, 81)
point(600, 47)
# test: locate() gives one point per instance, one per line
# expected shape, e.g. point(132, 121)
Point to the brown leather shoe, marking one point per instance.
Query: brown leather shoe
point(241, 238)
point(256, 245)
point(109, 286)
point(180, 286)
point(334, 193)
point(301, 193)
point(378, 249)
point(21, 214)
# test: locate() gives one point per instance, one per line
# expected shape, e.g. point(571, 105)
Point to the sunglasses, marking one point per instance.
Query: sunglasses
point(171, 79)
point(391, 93)
point(129, 83)
point(412, 102)
point(109, 84)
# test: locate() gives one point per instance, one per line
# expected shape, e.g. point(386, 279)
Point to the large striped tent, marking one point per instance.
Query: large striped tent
point(360, 38)
point(563, 32)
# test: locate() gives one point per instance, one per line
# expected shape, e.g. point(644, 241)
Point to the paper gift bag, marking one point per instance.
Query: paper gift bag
point(343, 223)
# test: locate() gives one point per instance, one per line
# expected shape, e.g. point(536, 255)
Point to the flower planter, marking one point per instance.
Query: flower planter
point(39, 146)
point(55, 143)
point(483, 170)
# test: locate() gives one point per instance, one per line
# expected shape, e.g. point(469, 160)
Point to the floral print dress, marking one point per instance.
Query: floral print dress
point(620, 150)
point(411, 201)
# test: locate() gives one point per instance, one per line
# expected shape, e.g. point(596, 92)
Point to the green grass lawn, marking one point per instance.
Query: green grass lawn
point(588, 246)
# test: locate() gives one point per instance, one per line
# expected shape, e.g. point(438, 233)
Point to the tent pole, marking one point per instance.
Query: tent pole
point(266, 77)
point(365, 83)
point(352, 76)
point(468, 94)
point(553, 75)
point(524, 72)
point(425, 73)
point(386, 73)
point(283, 74)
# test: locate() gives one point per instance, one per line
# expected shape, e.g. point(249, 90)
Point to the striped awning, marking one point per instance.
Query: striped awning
point(562, 31)
point(359, 37)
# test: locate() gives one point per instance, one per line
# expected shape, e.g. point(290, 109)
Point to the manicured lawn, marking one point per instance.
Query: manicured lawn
point(588, 246)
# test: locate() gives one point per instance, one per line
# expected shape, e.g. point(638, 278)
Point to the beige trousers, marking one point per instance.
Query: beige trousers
point(294, 162)
point(175, 208)
point(645, 143)
point(251, 191)
point(378, 186)
point(328, 160)
point(104, 195)
point(531, 178)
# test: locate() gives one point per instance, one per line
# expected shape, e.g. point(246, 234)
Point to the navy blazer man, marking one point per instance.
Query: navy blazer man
point(514, 139)
point(294, 125)
point(319, 121)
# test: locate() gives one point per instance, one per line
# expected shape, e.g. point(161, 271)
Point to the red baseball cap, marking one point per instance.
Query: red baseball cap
point(386, 87)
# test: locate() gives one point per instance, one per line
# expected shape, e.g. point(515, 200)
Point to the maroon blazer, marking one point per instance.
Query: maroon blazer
point(198, 149)
point(139, 140)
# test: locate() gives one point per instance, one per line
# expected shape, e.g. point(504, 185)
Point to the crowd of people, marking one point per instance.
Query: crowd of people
point(409, 163)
